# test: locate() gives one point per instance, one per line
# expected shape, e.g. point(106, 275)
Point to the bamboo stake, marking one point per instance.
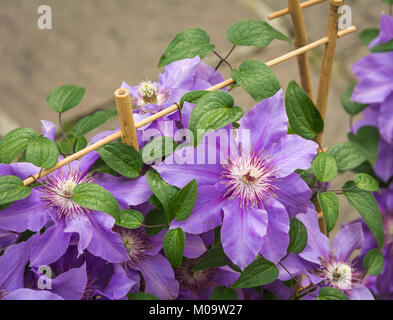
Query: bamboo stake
point(175, 107)
point(303, 5)
point(327, 61)
point(126, 117)
point(300, 41)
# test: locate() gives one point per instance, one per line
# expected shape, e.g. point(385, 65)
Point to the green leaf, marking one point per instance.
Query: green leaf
point(42, 152)
point(351, 107)
point(368, 138)
point(163, 191)
point(174, 242)
point(93, 121)
point(157, 149)
point(348, 155)
point(368, 35)
point(141, 296)
point(12, 189)
point(366, 205)
point(297, 236)
point(373, 262)
point(258, 273)
point(94, 197)
point(65, 97)
point(14, 142)
point(78, 143)
point(257, 79)
point(388, 1)
point(223, 293)
point(255, 33)
point(383, 47)
point(324, 167)
point(183, 203)
point(330, 207)
point(101, 166)
point(155, 221)
point(192, 97)
point(366, 182)
point(187, 44)
point(329, 293)
point(130, 219)
point(213, 111)
point(212, 259)
point(122, 158)
point(303, 116)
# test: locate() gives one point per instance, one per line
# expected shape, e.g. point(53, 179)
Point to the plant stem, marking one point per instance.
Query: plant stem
point(64, 133)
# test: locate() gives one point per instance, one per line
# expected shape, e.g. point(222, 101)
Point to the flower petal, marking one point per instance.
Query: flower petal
point(71, 284)
point(276, 240)
point(126, 191)
point(194, 247)
point(49, 246)
point(159, 277)
point(360, 292)
point(348, 239)
point(242, 232)
point(207, 213)
point(83, 227)
point(267, 122)
point(29, 294)
point(29, 213)
point(48, 129)
point(292, 152)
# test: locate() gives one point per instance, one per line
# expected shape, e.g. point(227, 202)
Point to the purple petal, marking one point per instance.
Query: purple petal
point(360, 292)
point(347, 240)
point(267, 121)
point(159, 277)
point(48, 129)
point(49, 246)
point(386, 31)
point(384, 164)
point(119, 285)
point(179, 74)
point(126, 191)
point(29, 294)
point(181, 173)
point(292, 152)
point(71, 284)
point(242, 232)
point(207, 213)
point(276, 239)
point(29, 213)
point(385, 119)
point(82, 226)
point(7, 238)
point(194, 247)
point(22, 170)
point(370, 118)
point(293, 193)
point(226, 276)
point(317, 243)
point(294, 264)
point(105, 243)
point(12, 265)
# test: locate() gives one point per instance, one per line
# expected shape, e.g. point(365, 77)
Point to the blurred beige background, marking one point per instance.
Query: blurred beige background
point(99, 43)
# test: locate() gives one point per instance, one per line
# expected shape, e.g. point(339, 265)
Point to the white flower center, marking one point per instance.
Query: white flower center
point(250, 178)
point(340, 275)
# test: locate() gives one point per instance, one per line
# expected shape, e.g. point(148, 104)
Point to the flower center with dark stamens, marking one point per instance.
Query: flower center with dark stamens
point(136, 242)
point(150, 93)
point(337, 274)
point(191, 280)
point(58, 190)
point(250, 178)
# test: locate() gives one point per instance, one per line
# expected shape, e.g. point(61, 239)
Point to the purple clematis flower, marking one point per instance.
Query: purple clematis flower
point(178, 78)
point(255, 191)
point(13, 284)
point(381, 285)
point(375, 87)
point(50, 206)
point(335, 268)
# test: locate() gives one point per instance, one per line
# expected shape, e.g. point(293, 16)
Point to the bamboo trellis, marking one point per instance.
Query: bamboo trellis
point(122, 97)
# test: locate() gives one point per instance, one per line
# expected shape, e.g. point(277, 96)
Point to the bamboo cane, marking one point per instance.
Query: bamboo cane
point(174, 108)
point(300, 41)
point(327, 61)
point(303, 5)
point(126, 117)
